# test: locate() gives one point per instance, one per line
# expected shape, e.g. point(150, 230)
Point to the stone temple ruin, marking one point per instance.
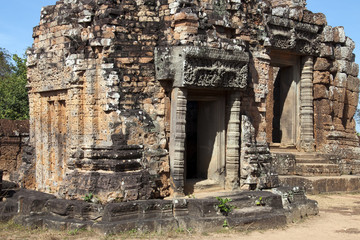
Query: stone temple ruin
point(136, 100)
point(148, 99)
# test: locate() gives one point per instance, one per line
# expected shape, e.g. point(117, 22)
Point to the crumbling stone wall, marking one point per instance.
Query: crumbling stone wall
point(336, 90)
point(288, 3)
point(336, 93)
point(105, 83)
point(13, 136)
point(93, 126)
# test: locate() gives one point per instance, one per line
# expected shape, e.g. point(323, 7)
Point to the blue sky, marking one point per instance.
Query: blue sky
point(17, 19)
point(341, 13)
point(345, 14)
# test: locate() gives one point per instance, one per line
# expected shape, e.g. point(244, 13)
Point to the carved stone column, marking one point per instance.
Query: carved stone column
point(177, 139)
point(306, 106)
point(233, 142)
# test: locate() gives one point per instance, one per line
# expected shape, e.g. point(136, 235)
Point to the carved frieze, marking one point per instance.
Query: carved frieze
point(204, 67)
point(283, 43)
point(201, 72)
point(293, 35)
point(296, 44)
point(305, 47)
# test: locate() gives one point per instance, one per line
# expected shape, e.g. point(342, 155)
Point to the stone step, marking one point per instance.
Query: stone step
point(311, 159)
point(308, 156)
point(206, 185)
point(308, 164)
point(323, 184)
point(240, 199)
point(196, 186)
point(305, 156)
point(8, 209)
point(306, 160)
point(317, 169)
point(256, 217)
point(282, 150)
point(244, 200)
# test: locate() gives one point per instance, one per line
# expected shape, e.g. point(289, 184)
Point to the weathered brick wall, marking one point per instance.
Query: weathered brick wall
point(287, 3)
point(336, 94)
point(13, 135)
point(336, 91)
point(100, 120)
point(92, 127)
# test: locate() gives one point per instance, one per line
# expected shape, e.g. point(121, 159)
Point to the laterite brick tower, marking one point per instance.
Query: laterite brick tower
point(150, 98)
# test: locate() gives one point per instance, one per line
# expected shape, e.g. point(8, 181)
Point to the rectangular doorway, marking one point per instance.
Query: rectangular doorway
point(205, 139)
point(286, 100)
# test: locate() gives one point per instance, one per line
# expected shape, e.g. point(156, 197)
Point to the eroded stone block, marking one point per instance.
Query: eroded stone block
point(322, 64)
point(321, 77)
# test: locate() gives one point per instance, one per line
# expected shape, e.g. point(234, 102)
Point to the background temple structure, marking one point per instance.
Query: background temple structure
point(146, 99)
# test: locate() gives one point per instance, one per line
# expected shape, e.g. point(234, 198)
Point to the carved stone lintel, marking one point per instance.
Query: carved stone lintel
point(192, 66)
point(201, 72)
point(292, 35)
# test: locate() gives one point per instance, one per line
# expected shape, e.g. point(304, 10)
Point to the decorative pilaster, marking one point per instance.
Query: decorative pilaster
point(248, 163)
point(177, 139)
point(306, 106)
point(233, 142)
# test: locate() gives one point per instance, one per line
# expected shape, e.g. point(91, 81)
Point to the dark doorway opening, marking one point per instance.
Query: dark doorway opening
point(191, 139)
point(281, 88)
point(202, 127)
point(205, 141)
point(285, 105)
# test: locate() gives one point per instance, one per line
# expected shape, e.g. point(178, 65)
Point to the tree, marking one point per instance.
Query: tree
point(14, 103)
point(5, 66)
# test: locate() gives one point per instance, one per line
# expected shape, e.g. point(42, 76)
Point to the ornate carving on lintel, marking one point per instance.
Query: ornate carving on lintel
point(202, 72)
point(297, 45)
point(190, 66)
point(292, 35)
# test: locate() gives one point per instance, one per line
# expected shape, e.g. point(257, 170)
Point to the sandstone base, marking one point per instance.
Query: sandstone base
point(253, 210)
point(319, 184)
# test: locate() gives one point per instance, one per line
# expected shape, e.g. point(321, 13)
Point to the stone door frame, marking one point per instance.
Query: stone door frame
point(305, 137)
point(202, 68)
point(178, 137)
point(214, 126)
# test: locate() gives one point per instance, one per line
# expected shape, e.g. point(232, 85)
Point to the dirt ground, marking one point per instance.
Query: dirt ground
point(339, 218)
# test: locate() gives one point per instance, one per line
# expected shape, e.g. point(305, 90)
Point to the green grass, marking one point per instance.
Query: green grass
point(12, 230)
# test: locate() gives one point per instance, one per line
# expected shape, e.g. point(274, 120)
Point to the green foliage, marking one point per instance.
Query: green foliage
point(224, 206)
point(132, 231)
point(191, 196)
point(5, 65)
point(88, 197)
point(225, 224)
point(14, 103)
point(74, 232)
point(180, 230)
point(260, 202)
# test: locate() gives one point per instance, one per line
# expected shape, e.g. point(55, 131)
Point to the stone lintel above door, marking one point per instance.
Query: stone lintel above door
point(192, 66)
